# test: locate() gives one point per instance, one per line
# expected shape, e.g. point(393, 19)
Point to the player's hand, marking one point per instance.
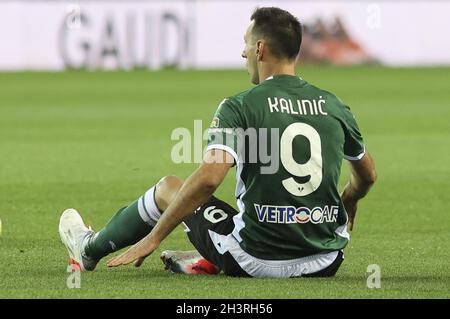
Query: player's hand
point(136, 253)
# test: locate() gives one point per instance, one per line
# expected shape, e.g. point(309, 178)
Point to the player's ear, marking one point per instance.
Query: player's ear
point(259, 50)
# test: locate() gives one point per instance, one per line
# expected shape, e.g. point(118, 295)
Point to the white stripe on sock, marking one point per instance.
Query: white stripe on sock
point(142, 212)
point(150, 206)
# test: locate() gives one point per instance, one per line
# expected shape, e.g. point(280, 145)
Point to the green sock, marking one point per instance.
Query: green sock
point(129, 225)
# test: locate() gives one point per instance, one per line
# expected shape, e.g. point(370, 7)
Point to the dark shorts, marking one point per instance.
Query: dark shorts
point(217, 216)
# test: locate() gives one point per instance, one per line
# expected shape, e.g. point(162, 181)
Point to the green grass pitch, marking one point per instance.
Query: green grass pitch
point(96, 141)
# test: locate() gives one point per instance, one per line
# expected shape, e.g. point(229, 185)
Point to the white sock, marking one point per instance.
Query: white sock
point(148, 210)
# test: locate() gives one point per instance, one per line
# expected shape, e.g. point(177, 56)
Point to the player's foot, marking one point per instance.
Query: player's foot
point(187, 262)
point(74, 235)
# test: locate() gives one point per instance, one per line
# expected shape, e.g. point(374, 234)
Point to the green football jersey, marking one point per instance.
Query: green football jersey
point(288, 139)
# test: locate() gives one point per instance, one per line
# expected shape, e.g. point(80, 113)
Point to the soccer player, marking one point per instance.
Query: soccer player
point(292, 221)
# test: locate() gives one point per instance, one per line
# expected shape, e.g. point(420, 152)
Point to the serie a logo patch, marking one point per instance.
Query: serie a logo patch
point(215, 122)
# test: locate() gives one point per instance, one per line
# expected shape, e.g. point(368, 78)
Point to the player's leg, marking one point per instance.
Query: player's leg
point(134, 222)
point(129, 225)
point(215, 216)
point(179, 261)
point(166, 190)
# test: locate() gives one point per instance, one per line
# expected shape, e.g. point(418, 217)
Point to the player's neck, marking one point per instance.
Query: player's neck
point(267, 71)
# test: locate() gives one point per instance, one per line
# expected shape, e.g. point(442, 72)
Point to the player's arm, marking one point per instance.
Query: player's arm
point(196, 190)
point(363, 176)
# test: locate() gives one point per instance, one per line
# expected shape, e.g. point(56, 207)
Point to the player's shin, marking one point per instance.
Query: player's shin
point(129, 225)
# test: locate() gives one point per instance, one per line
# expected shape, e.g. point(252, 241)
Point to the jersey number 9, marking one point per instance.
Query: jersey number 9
point(312, 168)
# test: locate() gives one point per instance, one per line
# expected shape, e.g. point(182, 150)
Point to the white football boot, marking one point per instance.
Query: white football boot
point(74, 235)
point(187, 262)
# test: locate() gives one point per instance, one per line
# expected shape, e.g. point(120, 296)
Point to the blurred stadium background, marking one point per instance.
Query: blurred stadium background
point(90, 92)
point(114, 34)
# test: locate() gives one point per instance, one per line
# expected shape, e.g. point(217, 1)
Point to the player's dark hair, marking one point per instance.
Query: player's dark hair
point(280, 29)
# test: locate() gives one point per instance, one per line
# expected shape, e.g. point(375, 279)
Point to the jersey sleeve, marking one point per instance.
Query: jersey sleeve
point(354, 148)
point(224, 129)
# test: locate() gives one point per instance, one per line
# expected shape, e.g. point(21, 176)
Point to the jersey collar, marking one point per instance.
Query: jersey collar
point(284, 76)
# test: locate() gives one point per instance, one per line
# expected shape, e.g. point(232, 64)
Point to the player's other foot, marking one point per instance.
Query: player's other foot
point(187, 262)
point(74, 235)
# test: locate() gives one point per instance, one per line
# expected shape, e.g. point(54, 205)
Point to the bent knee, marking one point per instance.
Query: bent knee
point(168, 186)
point(169, 182)
point(166, 189)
